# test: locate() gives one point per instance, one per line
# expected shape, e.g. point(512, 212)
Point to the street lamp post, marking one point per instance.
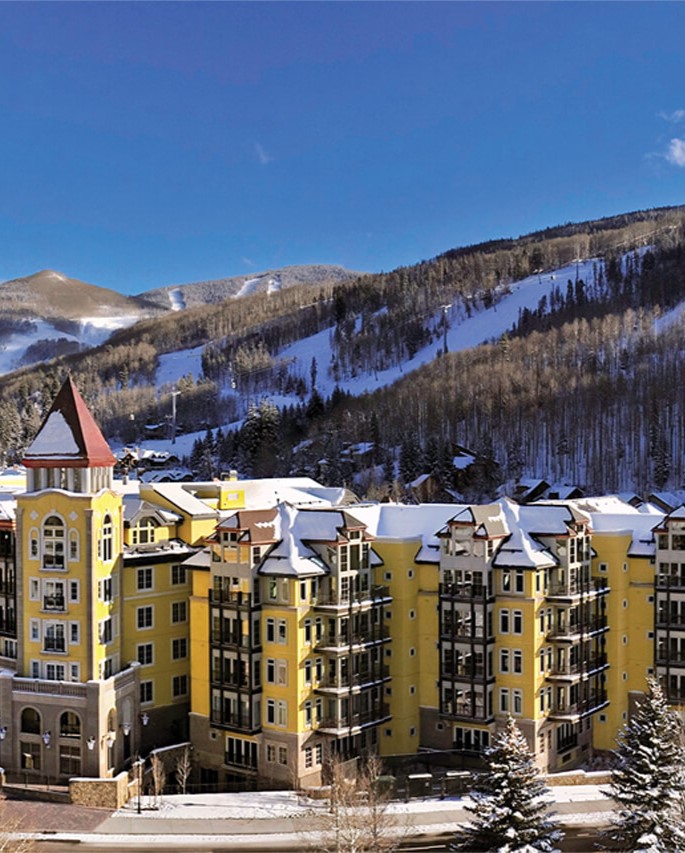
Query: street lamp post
point(140, 763)
point(3, 735)
point(47, 738)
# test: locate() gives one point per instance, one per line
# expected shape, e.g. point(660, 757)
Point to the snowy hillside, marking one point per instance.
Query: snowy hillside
point(463, 332)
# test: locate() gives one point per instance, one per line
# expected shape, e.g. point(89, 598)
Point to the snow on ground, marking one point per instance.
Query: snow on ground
point(481, 327)
point(250, 286)
point(274, 284)
point(174, 365)
point(177, 299)
point(93, 331)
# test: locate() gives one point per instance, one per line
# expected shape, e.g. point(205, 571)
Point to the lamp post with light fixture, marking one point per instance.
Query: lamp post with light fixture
point(140, 764)
point(47, 740)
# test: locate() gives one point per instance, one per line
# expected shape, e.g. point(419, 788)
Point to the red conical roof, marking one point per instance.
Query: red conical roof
point(69, 437)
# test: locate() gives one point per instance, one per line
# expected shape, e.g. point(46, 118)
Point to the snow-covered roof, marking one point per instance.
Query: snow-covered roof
point(69, 435)
point(521, 549)
point(292, 556)
point(136, 507)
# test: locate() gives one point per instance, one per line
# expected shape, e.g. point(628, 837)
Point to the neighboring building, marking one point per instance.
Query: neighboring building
point(274, 623)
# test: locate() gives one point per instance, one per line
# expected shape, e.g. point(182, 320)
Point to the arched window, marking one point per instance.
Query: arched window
point(69, 725)
point(53, 543)
point(144, 532)
point(30, 721)
point(107, 538)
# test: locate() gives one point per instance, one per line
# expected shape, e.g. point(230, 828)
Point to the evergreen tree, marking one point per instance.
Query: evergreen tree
point(648, 780)
point(509, 811)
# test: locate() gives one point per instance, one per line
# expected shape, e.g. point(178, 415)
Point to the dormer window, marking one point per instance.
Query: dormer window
point(144, 532)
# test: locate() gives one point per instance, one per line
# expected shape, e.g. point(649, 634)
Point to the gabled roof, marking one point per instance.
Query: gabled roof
point(69, 436)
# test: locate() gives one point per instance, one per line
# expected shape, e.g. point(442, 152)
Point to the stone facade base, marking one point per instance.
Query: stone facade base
point(100, 793)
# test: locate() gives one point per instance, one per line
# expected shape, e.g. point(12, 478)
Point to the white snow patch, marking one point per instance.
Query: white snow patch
point(174, 365)
point(249, 286)
point(177, 299)
point(55, 439)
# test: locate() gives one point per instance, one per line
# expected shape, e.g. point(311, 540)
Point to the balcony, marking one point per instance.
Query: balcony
point(233, 639)
point(234, 598)
point(671, 620)
point(464, 592)
point(468, 710)
point(672, 582)
point(591, 625)
point(343, 724)
point(577, 587)
point(346, 641)
point(664, 658)
point(373, 597)
point(574, 710)
point(54, 603)
point(463, 673)
point(350, 682)
point(568, 742)
point(577, 669)
point(55, 644)
point(466, 633)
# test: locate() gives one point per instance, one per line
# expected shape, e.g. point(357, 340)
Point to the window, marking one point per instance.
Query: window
point(73, 545)
point(270, 671)
point(145, 617)
point(30, 721)
point(144, 532)
point(318, 753)
point(144, 579)
point(307, 672)
point(282, 715)
point(74, 592)
point(105, 631)
point(518, 661)
point(179, 685)
point(54, 639)
point(271, 630)
point(308, 713)
point(504, 621)
point(308, 757)
point(308, 631)
point(53, 543)
point(179, 575)
point(282, 632)
point(518, 622)
point(54, 672)
point(34, 589)
point(107, 539)
point(506, 580)
point(30, 755)
point(504, 700)
point(517, 701)
point(178, 611)
point(271, 711)
point(270, 753)
point(518, 581)
point(34, 630)
point(146, 693)
point(74, 633)
point(283, 755)
point(33, 544)
point(504, 660)
point(145, 653)
point(179, 648)
point(106, 590)
point(69, 725)
point(69, 759)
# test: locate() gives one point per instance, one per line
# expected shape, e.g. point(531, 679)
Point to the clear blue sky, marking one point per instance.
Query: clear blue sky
point(145, 144)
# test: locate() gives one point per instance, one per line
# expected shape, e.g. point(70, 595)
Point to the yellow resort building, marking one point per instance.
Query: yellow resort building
point(272, 624)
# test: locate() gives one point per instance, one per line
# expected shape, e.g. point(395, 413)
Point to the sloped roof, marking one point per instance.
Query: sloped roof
point(69, 436)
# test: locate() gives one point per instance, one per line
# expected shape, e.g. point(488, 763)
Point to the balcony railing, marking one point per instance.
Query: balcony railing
point(472, 710)
point(666, 658)
point(54, 644)
point(374, 595)
point(585, 706)
point(576, 586)
point(361, 679)
point(464, 591)
point(464, 673)
point(567, 743)
point(670, 620)
point(580, 667)
point(345, 640)
point(584, 626)
point(54, 602)
point(356, 720)
point(462, 632)
point(227, 596)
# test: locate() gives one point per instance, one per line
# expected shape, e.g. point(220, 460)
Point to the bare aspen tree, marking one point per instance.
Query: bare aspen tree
point(182, 769)
point(158, 777)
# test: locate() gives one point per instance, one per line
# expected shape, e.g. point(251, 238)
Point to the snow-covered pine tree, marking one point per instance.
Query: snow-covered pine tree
point(510, 814)
point(648, 779)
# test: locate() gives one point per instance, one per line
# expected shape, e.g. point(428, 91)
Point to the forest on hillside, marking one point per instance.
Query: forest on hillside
point(584, 388)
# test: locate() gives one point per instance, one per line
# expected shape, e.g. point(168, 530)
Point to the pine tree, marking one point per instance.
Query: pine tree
point(648, 780)
point(509, 811)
